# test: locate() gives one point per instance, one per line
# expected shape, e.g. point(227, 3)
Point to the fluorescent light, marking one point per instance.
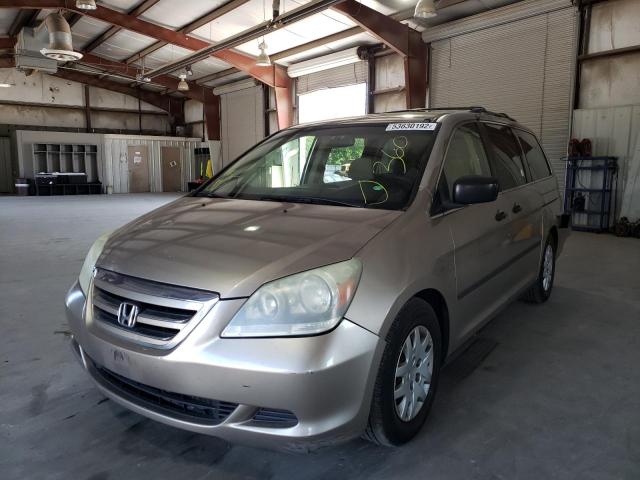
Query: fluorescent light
point(5, 85)
point(251, 228)
point(338, 59)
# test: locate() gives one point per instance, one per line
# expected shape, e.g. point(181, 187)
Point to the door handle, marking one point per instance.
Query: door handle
point(500, 215)
point(516, 208)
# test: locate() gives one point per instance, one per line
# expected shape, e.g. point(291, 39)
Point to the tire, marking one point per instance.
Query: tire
point(385, 426)
point(540, 291)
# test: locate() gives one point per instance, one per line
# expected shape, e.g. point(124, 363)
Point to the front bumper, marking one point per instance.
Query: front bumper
point(326, 381)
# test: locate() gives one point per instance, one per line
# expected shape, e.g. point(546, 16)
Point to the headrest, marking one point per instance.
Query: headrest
point(361, 169)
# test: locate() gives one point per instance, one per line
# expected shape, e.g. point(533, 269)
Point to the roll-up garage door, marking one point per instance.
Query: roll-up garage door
point(334, 77)
point(518, 60)
point(242, 118)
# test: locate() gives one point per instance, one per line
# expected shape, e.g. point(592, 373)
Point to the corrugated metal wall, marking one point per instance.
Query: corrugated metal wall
point(389, 73)
point(242, 121)
point(516, 61)
point(115, 172)
point(615, 132)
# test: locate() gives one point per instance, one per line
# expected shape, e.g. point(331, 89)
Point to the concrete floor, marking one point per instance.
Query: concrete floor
point(547, 392)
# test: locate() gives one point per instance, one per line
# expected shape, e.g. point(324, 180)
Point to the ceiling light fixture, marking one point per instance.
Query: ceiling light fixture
point(188, 70)
point(183, 86)
point(5, 85)
point(263, 59)
point(425, 9)
point(86, 4)
point(60, 41)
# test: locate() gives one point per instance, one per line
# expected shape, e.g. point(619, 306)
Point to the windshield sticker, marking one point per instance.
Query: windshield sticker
point(392, 127)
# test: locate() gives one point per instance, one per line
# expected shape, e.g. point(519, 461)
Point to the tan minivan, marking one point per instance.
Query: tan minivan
point(313, 289)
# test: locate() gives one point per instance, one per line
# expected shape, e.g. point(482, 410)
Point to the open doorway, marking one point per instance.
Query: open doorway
point(333, 103)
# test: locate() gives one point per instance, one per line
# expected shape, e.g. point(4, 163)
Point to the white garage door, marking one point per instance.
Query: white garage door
point(518, 60)
point(242, 118)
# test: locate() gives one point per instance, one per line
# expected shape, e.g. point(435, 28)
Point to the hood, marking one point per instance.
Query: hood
point(234, 246)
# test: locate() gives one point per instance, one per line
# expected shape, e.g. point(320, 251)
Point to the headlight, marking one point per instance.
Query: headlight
point(306, 303)
point(90, 262)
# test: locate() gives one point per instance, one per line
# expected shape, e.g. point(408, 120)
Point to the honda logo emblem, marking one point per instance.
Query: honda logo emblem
point(128, 314)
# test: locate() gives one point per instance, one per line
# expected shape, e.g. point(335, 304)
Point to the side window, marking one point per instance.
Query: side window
point(339, 161)
point(465, 156)
point(506, 161)
point(534, 155)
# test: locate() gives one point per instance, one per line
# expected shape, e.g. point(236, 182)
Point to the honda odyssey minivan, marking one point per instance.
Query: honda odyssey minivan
point(313, 289)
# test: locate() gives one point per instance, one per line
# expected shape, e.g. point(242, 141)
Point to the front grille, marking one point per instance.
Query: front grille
point(274, 418)
point(176, 405)
point(154, 321)
point(164, 311)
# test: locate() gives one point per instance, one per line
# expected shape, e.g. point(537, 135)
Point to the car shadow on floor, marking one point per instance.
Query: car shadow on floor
point(145, 438)
point(518, 393)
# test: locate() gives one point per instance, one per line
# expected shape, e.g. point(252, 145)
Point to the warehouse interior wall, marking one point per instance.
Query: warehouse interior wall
point(242, 118)
point(194, 119)
point(609, 96)
point(389, 84)
point(46, 101)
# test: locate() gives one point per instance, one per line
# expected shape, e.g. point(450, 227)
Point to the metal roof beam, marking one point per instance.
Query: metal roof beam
point(7, 42)
point(136, 11)
point(274, 76)
point(399, 37)
point(190, 27)
point(173, 106)
point(195, 92)
point(24, 18)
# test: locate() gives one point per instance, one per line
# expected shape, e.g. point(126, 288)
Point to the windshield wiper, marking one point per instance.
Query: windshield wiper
point(312, 200)
point(217, 184)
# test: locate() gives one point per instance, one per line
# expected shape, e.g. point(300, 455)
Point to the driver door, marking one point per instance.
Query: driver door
point(480, 233)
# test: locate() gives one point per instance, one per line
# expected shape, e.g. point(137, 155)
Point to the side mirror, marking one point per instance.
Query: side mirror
point(475, 189)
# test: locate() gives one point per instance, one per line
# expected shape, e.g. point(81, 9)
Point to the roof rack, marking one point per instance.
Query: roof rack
point(474, 109)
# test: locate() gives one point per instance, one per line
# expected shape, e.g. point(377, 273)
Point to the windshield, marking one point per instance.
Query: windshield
point(355, 166)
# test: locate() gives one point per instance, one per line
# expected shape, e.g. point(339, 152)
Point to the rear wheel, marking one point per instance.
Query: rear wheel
point(408, 376)
point(540, 291)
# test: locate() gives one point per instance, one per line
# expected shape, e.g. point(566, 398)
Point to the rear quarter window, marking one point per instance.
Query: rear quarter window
point(534, 155)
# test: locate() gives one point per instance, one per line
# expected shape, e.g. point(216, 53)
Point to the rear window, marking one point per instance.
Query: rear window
point(534, 155)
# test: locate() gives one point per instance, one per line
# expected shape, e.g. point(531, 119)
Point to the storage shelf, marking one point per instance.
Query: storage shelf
point(69, 189)
point(591, 171)
point(590, 212)
point(595, 190)
point(66, 158)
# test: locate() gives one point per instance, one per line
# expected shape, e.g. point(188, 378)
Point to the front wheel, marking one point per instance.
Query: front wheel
point(408, 376)
point(540, 291)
